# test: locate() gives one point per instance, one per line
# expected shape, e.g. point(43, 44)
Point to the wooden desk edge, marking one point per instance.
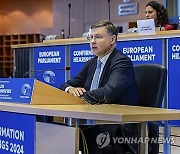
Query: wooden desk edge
point(96, 112)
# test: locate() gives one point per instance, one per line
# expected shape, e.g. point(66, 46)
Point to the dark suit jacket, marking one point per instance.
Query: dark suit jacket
point(117, 84)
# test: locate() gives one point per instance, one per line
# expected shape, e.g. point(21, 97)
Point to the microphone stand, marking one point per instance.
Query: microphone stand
point(43, 70)
point(69, 32)
point(109, 10)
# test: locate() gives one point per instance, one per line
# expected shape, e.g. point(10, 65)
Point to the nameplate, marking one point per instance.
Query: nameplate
point(146, 27)
point(16, 90)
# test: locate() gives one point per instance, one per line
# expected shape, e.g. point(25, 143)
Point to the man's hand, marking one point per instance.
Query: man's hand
point(78, 91)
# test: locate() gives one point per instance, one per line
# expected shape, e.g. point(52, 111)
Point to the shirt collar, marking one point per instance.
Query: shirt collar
point(105, 58)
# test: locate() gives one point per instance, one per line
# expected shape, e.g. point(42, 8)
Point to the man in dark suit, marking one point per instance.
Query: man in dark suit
point(107, 78)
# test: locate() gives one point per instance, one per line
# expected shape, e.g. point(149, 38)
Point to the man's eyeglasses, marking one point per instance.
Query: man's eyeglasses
point(96, 37)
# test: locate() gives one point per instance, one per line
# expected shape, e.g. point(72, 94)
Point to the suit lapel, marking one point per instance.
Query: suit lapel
point(91, 72)
point(106, 67)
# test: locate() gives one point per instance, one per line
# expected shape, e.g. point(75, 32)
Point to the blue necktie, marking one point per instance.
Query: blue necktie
point(94, 85)
point(95, 82)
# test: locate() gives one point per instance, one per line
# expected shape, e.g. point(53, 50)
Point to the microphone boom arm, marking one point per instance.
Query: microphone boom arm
point(43, 70)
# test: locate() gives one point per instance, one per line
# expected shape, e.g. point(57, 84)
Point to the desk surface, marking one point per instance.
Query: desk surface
point(105, 112)
point(121, 37)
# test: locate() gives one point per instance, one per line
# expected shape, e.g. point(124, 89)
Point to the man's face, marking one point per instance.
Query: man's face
point(100, 41)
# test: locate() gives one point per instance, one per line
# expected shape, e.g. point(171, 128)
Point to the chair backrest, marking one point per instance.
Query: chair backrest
point(151, 80)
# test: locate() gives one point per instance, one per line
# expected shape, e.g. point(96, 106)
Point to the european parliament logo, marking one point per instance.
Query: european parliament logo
point(49, 77)
point(26, 89)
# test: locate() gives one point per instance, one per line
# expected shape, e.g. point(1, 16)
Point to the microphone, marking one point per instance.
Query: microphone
point(109, 10)
point(43, 70)
point(69, 34)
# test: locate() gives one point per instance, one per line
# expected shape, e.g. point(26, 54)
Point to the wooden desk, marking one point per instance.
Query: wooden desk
point(105, 112)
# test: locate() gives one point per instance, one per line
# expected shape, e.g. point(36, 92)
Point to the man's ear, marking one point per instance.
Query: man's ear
point(113, 39)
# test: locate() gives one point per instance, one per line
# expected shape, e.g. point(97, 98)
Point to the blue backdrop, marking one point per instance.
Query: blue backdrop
point(17, 133)
point(79, 55)
point(47, 61)
point(16, 89)
point(142, 51)
point(174, 75)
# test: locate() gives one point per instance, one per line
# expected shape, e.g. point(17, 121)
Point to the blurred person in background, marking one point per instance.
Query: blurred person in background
point(156, 11)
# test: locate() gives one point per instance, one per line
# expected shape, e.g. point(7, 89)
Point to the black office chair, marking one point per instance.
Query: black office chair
point(151, 80)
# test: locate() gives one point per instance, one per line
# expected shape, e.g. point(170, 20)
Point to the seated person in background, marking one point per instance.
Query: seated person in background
point(108, 78)
point(156, 11)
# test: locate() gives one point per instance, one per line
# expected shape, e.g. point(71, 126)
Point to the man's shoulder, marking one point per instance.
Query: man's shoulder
point(117, 54)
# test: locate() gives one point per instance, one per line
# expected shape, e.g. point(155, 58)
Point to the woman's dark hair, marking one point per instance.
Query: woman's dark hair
point(162, 15)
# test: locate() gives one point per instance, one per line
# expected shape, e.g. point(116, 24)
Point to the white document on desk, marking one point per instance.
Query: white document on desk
point(146, 27)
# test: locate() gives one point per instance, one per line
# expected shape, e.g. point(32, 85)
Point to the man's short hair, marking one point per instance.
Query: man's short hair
point(110, 27)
